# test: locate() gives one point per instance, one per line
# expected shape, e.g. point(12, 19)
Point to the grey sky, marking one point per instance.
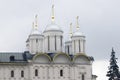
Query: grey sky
point(99, 21)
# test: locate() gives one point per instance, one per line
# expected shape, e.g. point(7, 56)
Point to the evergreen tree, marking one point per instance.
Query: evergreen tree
point(113, 72)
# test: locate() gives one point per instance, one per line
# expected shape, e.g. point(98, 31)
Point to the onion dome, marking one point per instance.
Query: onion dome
point(53, 27)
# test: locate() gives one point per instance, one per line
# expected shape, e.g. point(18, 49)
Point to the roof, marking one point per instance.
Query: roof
point(14, 57)
point(53, 27)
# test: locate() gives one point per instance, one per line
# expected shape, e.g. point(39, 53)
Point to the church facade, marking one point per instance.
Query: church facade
point(48, 58)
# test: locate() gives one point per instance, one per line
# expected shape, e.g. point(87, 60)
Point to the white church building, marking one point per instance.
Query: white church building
point(48, 57)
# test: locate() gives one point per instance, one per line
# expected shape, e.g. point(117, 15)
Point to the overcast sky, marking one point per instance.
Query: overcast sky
point(99, 21)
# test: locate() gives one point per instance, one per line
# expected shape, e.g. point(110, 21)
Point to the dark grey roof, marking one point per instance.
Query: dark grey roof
point(15, 57)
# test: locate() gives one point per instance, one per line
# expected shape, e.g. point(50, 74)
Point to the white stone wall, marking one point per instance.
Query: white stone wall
point(5, 72)
point(45, 71)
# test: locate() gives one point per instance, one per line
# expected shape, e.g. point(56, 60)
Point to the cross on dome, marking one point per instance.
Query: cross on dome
point(53, 17)
point(36, 21)
point(53, 14)
point(78, 27)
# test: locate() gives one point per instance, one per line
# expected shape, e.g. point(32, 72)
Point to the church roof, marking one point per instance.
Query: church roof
point(14, 57)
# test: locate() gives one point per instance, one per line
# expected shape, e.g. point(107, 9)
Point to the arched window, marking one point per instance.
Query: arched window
point(83, 77)
point(36, 72)
point(61, 73)
point(12, 73)
point(22, 73)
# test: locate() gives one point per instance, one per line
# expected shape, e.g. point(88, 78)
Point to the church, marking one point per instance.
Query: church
point(48, 57)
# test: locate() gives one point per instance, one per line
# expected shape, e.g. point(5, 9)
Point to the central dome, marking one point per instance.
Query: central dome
point(53, 27)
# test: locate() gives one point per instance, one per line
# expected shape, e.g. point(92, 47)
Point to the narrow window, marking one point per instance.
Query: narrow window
point(36, 40)
point(79, 46)
point(48, 43)
point(12, 73)
point(68, 50)
point(65, 49)
point(61, 73)
point(61, 40)
point(55, 43)
point(74, 47)
point(83, 77)
point(84, 45)
point(22, 73)
point(36, 72)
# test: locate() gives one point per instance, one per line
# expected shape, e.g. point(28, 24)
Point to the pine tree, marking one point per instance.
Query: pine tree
point(113, 72)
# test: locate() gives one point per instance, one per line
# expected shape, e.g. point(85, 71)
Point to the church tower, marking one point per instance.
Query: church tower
point(78, 40)
point(53, 36)
point(34, 42)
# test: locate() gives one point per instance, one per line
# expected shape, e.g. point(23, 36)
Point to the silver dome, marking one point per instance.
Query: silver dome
point(53, 27)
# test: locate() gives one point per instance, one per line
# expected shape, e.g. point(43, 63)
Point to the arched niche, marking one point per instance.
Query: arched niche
point(81, 58)
point(61, 58)
point(41, 58)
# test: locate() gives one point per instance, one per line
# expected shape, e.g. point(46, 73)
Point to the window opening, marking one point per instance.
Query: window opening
point(36, 40)
point(22, 73)
point(68, 50)
point(61, 40)
point(61, 73)
point(36, 72)
point(12, 73)
point(83, 77)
